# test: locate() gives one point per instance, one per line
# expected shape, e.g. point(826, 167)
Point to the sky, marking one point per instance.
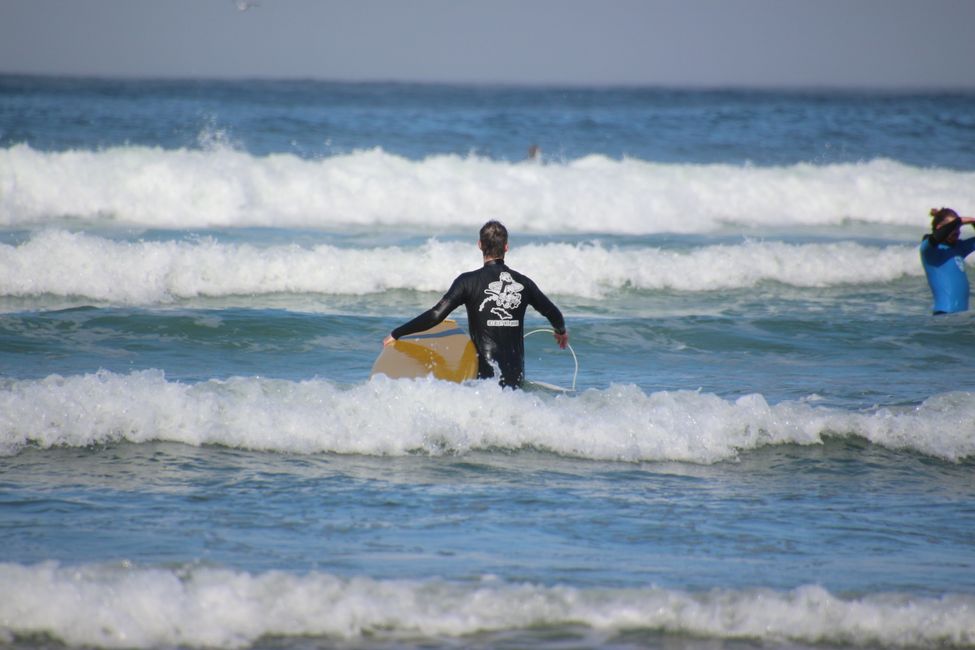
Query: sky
point(913, 44)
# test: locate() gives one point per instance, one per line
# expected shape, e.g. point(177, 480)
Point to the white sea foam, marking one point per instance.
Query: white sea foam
point(130, 607)
point(59, 263)
point(224, 187)
point(398, 417)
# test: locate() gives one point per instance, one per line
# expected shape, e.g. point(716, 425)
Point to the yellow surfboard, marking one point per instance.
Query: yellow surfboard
point(444, 351)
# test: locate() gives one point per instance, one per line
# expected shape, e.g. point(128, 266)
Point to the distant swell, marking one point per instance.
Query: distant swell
point(123, 607)
point(224, 187)
point(387, 417)
point(59, 263)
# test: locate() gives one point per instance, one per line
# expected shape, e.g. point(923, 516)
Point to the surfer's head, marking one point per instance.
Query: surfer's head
point(493, 240)
point(946, 219)
point(938, 217)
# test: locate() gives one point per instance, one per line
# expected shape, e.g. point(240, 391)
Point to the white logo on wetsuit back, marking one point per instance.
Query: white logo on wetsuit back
point(505, 293)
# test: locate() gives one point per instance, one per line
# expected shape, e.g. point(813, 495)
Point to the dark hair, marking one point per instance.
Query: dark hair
point(940, 216)
point(494, 239)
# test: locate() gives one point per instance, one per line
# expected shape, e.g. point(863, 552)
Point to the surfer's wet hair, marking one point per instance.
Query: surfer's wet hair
point(938, 217)
point(494, 239)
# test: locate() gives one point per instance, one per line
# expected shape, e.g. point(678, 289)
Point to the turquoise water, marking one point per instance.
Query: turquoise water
point(771, 442)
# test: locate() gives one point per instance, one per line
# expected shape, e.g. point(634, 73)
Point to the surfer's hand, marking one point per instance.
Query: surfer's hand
point(389, 340)
point(562, 339)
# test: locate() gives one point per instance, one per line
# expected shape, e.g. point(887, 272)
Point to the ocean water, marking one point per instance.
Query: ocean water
point(771, 442)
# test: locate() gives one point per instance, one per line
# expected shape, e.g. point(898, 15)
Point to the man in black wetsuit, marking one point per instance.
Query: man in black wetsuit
point(496, 298)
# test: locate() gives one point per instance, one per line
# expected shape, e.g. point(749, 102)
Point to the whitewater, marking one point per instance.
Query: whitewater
point(221, 186)
point(60, 263)
point(384, 417)
point(125, 606)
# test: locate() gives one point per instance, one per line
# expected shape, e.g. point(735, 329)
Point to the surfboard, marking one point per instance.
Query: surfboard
point(444, 351)
point(546, 387)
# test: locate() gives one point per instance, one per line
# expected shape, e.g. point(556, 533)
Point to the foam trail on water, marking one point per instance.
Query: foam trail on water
point(124, 607)
point(390, 417)
point(60, 263)
point(223, 187)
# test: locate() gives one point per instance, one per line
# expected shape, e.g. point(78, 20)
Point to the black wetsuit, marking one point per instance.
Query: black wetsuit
point(496, 298)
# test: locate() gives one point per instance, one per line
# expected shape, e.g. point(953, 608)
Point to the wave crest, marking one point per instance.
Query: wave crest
point(59, 263)
point(125, 607)
point(398, 417)
point(224, 187)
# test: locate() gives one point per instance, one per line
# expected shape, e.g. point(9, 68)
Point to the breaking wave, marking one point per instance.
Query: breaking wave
point(61, 263)
point(223, 187)
point(117, 606)
point(398, 417)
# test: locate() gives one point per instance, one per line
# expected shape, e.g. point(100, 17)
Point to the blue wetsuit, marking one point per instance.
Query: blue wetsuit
point(496, 298)
point(944, 264)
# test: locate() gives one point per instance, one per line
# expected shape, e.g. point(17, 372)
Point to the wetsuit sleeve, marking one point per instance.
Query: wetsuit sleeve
point(545, 307)
point(450, 301)
point(967, 246)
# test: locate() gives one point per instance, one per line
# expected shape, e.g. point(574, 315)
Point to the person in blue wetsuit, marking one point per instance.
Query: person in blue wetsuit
point(943, 256)
point(496, 298)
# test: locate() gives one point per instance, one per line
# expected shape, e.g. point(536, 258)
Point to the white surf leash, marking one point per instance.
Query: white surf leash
point(574, 358)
